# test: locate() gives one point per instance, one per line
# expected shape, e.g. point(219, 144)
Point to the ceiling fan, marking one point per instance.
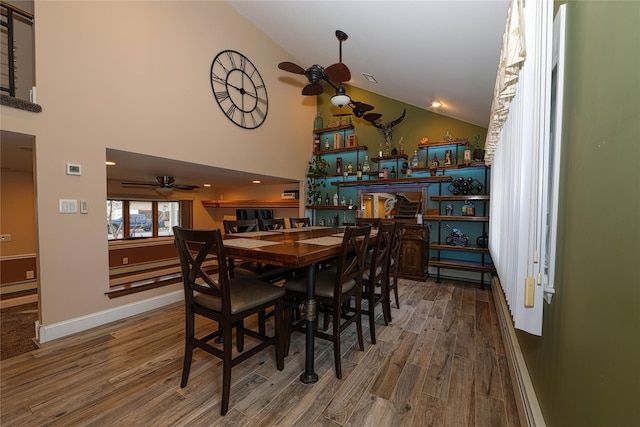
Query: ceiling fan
point(315, 74)
point(338, 72)
point(164, 185)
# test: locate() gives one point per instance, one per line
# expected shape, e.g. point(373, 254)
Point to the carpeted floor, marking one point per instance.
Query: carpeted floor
point(17, 330)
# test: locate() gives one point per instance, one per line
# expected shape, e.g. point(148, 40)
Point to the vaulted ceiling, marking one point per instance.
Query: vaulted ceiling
point(418, 51)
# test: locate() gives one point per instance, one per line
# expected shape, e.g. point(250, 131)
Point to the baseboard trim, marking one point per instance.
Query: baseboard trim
point(62, 329)
point(528, 407)
point(18, 300)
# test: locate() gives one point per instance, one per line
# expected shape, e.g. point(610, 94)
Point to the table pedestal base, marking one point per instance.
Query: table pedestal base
point(309, 378)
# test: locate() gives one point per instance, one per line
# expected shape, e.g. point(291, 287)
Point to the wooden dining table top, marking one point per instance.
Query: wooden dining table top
point(294, 248)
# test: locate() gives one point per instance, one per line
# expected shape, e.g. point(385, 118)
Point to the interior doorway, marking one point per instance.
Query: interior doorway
point(19, 285)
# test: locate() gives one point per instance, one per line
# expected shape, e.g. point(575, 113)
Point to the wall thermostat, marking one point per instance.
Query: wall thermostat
point(74, 169)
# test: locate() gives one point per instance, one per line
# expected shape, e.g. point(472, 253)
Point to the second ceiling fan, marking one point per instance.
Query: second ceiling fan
point(337, 72)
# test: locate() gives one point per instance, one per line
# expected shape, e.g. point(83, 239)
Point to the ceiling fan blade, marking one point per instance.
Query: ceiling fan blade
point(152, 184)
point(291, 67)
point(362, 106)
point(372, 117)
point(184, 187)
point(338, 72)
point(312, 89)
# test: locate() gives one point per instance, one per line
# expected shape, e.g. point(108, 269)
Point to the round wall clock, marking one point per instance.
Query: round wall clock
point(239, 89)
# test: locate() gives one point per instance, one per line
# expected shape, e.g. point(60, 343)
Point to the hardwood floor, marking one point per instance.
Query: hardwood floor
point(440, 362)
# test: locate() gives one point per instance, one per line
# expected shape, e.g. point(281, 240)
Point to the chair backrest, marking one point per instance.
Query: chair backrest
point(267, 224)
point(351, 260)
point(394, 255)
point(194, 246)
point(240, 226)
point(379, 265)
point(300, 222)
point(375, 222)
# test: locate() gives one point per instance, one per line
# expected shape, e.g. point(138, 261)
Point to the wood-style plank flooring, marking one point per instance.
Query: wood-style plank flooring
point(441, 362)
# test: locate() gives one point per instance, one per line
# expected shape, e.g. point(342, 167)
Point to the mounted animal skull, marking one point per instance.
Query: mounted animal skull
point(387, 131)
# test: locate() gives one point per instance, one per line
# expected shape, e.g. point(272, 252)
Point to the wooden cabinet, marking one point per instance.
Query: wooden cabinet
point(414, 252)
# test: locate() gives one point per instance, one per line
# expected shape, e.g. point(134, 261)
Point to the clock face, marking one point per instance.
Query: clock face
point(239, 89)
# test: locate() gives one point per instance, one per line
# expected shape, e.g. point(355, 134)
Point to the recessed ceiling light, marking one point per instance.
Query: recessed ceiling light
point(370, 78)
point(436, 104)
point(206, 185)
point(110, 163)
point(256, 181)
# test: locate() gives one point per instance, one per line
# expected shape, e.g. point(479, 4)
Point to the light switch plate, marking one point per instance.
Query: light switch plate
point(67, 206)
point(84, 206)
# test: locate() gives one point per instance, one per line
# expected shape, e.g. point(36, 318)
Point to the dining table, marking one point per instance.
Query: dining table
point(295, 248)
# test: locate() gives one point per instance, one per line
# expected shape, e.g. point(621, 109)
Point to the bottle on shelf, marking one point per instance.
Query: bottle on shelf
point(393, 173)
point(318, 122)
point(327, 201)
point(385, 172)
point(322, 221)
point(471, 209)
point(401, 145)
point(350, 167)
point(326, 143)
point(359, 172)
point(414, 160)
point(365, 165)
point(335, 199)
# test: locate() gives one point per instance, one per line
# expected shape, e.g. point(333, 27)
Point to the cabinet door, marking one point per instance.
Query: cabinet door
point(413, 253)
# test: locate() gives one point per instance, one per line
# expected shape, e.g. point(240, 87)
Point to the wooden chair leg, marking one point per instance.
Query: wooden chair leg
point(262, 320)
point(280, 326)
point(240, 336)
point(336, 341)
point(359, 324)
point(395, 290)
point(372, 319)
point(188, 350)
point(226, 369)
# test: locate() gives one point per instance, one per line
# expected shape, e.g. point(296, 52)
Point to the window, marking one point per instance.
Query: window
point(134, 219)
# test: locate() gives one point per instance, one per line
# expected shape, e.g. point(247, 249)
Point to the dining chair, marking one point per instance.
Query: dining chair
point(300, 222)
point(269, 273)
point(394, 266)
point(268, 224)
point(334, 287)
point(240, 225)
point(374, 280)
point(226, 301)
point(375, 222)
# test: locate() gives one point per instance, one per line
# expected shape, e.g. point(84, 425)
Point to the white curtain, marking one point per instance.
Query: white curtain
point(518, 132)
point(512, 57)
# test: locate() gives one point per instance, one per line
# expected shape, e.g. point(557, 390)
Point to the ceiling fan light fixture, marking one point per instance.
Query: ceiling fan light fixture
point(165, 191)
point(340, 99)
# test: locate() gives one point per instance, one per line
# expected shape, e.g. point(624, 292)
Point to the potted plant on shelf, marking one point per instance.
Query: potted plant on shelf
point(478, 148)
point(318, 168)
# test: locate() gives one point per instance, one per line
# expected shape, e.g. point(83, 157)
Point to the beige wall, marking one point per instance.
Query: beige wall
point(136, 74)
